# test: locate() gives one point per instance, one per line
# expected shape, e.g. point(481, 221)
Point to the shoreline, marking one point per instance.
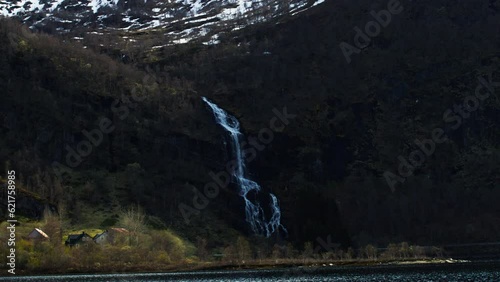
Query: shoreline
point(283, 264)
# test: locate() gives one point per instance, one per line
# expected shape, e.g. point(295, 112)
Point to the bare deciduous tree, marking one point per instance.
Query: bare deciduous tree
point(134, 220)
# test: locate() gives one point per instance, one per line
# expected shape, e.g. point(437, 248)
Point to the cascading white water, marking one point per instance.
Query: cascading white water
point(254, 213)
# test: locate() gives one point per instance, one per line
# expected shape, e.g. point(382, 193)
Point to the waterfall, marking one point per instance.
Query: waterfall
point(253, 211)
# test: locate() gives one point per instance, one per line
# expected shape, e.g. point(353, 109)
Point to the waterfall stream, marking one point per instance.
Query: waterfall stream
point(255, 215)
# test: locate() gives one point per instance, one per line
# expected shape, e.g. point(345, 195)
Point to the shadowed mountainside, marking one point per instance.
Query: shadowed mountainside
point(326, 167)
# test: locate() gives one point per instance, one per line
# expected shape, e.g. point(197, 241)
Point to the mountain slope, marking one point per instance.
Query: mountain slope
point(188, 18)
point(326, 167)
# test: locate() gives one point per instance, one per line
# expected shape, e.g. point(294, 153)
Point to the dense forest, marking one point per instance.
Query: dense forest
point(335, 168)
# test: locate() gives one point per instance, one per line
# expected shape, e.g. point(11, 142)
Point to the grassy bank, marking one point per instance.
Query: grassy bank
point(143, 248)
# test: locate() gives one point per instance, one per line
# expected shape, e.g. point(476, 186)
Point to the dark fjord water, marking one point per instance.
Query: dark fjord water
point(485, 271)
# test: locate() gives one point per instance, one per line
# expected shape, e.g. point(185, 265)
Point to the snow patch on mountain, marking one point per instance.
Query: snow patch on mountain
point(186, 19)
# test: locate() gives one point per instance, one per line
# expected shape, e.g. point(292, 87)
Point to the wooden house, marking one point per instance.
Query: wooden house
point(77, 239)
point(111, 235)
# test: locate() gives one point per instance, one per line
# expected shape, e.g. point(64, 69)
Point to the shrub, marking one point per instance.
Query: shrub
point(163, 257)
point(349, 254)
point(308, 250)
point(201, 248)
point(166, 241)
point(404, 250)
point(243, 251)
point(370, 252)
point(229, 254)
point(391, 252)
point(418, 252)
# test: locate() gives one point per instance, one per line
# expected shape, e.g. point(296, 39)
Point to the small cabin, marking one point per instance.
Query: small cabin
point(110, 235)
point(37, 234)
point(101, 237)
point(77, 239)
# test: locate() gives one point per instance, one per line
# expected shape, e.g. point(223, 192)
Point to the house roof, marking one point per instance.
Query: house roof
point(39, 231)
point(74, 238)
point(119, 230)
point(100, 234)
